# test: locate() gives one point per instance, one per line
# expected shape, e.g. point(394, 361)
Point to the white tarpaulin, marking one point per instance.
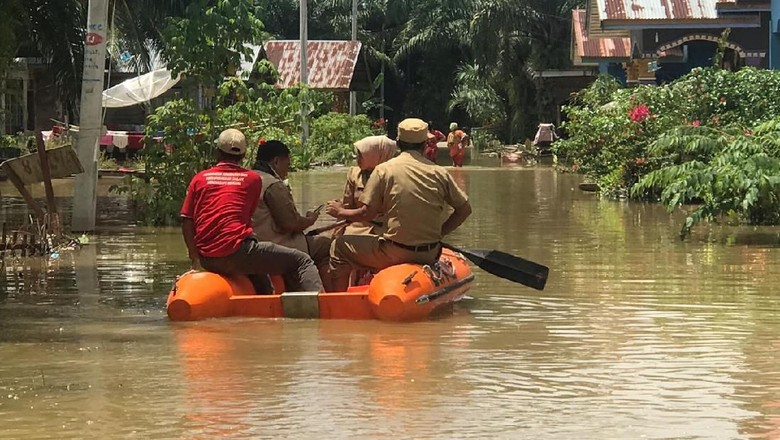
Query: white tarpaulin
point(139, 89)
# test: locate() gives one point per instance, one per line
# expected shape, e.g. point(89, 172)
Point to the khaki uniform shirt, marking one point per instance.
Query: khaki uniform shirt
point(415, 195)
point(276, 207)
point(356, 183)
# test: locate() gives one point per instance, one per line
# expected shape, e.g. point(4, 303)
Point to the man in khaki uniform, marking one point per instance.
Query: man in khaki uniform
point(415, 195)
point(276, 218)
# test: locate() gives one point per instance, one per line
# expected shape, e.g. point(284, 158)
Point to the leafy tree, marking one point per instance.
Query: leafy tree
point(10, 23)
point(509, 40)
point(210, 37)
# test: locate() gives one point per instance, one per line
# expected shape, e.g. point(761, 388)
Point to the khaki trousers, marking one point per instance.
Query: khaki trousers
point(370, 252)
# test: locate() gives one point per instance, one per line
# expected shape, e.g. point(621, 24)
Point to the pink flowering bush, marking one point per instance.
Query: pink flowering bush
point(708, 138)
point(609, 127)
point(639, 113)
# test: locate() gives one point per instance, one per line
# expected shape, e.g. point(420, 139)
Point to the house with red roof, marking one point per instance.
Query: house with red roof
point(657, 41)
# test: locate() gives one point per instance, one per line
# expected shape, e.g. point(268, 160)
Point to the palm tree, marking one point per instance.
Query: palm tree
point(510, 40)
point(56, 33)
point(54, 30)
point(137, 28)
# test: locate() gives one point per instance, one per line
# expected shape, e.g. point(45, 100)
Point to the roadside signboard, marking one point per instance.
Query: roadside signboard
point(63, 162)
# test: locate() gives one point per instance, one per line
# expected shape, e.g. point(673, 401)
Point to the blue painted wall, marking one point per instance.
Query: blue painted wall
point(774, 36)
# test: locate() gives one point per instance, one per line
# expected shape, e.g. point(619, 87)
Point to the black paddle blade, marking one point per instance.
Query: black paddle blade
point(507, 266)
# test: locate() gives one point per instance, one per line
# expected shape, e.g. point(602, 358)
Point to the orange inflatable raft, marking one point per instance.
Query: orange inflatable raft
point(404, 292)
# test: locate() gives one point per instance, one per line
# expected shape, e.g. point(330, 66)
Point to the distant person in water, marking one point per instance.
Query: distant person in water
point(457, 141)
point(432, 146)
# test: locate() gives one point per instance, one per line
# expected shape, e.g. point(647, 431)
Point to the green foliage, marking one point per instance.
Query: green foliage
point(210, 38)
point(7, 140)
point(180, 139)
point(333, 134)
point(10, 24)
point(484, 140)
point(265, 71)
point(725, 172)
point(268, 113)
point(476, 96)
point(704, 139)
point(177, 146)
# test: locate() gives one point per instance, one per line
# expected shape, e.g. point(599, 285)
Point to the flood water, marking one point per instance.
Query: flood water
point(637, 335)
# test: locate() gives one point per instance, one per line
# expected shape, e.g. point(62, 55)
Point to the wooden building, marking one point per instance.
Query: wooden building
point(657, 41)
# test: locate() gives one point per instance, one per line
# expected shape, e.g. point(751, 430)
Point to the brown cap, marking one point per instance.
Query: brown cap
point(232, 141)
point(413, 131)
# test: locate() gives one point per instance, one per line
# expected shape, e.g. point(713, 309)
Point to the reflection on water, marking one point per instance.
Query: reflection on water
point(637, 334)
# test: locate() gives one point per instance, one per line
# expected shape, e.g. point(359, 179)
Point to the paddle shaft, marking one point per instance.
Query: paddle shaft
point(322, 229)
point(336, 225)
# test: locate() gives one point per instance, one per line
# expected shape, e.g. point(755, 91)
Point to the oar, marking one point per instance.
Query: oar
point(322, 229)
point(507, 266)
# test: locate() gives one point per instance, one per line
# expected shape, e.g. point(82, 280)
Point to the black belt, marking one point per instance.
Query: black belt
point(418, 248)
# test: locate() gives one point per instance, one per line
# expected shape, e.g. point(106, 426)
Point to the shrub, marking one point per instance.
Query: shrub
point(177, 146)
point(724, 171)
point(610, 129)
point(707, 139)
point(333, 134)
point(180, 139)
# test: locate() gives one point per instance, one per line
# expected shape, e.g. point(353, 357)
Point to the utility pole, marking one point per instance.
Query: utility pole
point(353, 94)
point(90, 121)
point(304, 70)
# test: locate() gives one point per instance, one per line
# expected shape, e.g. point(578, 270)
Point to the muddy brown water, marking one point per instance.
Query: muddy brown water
point(637, 335)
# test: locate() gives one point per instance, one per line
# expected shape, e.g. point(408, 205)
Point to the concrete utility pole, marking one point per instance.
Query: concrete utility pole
point(352, 94)
point(90, 121)
point(304, 28)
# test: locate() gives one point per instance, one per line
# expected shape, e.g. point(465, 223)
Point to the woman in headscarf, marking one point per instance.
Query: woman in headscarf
point(457, 142)
point(371, 151)
point(432, 147)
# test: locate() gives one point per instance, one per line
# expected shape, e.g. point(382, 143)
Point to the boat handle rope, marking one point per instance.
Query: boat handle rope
point(428, 270)
point(175, 286)
point(409, 278)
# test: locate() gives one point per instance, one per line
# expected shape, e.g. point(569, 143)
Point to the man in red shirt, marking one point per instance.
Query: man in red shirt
point(217, 218)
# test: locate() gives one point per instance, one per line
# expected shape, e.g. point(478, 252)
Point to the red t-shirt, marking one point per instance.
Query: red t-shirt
point(221, 201)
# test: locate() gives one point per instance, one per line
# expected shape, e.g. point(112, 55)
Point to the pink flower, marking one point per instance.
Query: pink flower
point(696, 123)
point(639, 113)
point(641, 161)
point(748, 132)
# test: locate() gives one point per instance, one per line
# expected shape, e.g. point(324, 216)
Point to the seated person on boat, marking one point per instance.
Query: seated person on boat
point(276, 218)
point(414, 194)
point(371, 151)
point(216, 224)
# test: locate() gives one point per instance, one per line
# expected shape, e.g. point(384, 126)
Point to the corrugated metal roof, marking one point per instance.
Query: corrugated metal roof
point(331, 63)
point(657, 9)
point(600, 47)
